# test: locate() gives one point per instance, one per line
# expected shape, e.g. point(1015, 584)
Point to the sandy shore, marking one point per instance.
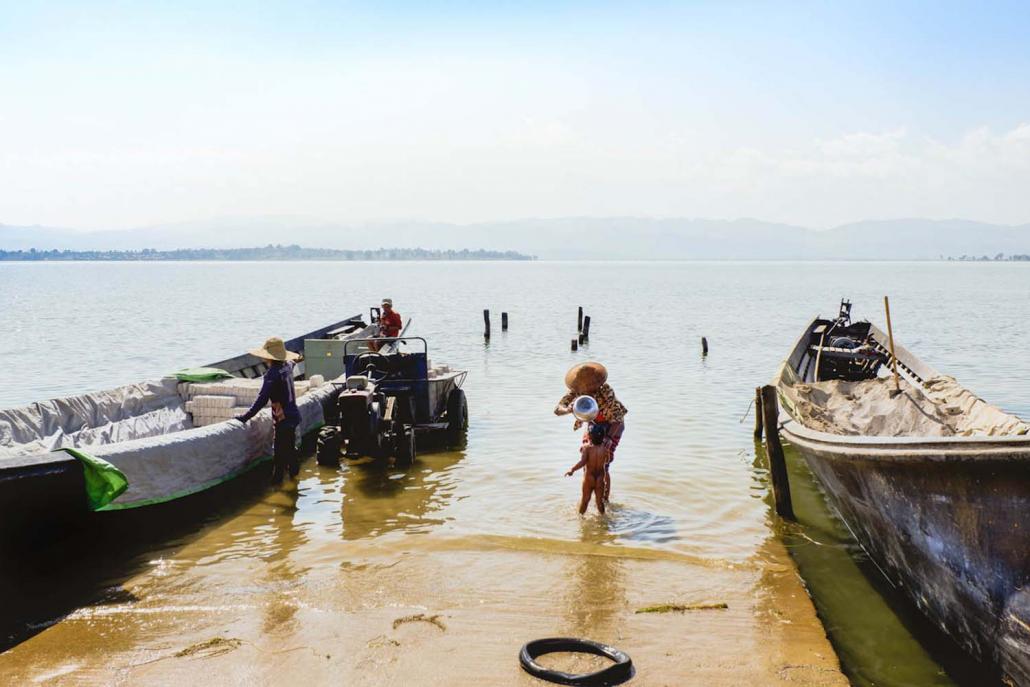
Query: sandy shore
point(444, 615)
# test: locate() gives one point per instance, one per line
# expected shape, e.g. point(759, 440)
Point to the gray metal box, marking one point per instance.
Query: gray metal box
point(323, 357)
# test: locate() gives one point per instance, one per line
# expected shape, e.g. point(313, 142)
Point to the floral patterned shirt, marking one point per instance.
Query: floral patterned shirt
point(611, 409)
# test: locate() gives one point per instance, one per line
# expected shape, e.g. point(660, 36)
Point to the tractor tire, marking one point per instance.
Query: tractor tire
point(328, 448)
point(457, 415)
point(404, 451)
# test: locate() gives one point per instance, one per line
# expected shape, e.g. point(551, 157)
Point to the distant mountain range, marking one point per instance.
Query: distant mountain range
point(614, 238)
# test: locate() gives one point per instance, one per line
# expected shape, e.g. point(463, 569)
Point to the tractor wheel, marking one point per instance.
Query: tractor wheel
point(405, 445)
point(457, 415)
point(328, 451)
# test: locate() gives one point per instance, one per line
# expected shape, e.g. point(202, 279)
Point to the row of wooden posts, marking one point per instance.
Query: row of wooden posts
point(766, 416)
point(767, 413)
point(486, 323)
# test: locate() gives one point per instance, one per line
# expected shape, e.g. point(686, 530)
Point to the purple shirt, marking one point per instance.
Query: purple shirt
point(277, 388)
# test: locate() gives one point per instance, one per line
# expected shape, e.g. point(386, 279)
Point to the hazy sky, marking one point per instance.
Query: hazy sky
point(116, 115)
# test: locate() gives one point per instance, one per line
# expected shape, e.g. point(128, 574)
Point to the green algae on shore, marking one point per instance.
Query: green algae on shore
point(679, 608)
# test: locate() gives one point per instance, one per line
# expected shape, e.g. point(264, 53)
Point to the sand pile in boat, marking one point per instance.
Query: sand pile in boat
point(941, 408)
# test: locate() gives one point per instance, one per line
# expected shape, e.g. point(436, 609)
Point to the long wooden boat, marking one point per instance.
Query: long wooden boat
point(934, 483)
point(166, 438)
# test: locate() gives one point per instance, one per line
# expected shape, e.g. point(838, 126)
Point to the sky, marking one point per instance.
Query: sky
point(128, 114)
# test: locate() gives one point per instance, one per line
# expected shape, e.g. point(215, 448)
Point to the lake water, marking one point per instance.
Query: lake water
point(686, 482)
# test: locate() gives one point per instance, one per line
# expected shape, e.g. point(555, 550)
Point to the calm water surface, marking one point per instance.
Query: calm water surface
point(686, 482)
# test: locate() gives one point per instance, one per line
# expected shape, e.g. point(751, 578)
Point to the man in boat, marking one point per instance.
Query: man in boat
point(278, 389)
point(390, 324)
point(591, 379)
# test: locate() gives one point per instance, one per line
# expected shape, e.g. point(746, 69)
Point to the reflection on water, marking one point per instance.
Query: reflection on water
point(282, 571)
point(685, 484)
point(377, 499)
point(593, 591)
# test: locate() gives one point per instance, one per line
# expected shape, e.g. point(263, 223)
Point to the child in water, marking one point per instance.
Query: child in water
point(594, 460)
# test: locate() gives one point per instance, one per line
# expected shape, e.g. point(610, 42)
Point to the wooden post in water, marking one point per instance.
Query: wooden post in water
point(575, 344)
point(758, 413)
point(486, 324)
point(579, 320)
point(504, 321)
point(585, 335)
point(704, 346)
point(774, 450)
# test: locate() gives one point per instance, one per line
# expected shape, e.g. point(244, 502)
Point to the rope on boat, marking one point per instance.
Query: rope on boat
point(746, 412)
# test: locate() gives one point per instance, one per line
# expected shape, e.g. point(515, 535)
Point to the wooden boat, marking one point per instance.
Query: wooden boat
point(934, 483)
point(167, 438)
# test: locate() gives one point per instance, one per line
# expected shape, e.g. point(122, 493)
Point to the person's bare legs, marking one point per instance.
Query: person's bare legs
point(588, 488)
point(599, 496)
point(607, 482)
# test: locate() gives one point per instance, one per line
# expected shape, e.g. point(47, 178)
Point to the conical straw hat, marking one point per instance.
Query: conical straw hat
point(586, 378)
point(274, 349)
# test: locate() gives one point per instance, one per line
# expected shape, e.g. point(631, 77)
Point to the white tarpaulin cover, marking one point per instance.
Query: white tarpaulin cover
point(127, 412)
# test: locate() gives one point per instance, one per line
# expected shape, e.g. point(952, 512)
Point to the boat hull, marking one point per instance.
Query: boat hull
point(947, 526)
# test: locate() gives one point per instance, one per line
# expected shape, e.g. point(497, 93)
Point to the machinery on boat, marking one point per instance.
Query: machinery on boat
point(931, 480)
point(392, 399)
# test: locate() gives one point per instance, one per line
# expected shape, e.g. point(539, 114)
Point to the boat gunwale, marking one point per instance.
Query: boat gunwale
point(957, 447)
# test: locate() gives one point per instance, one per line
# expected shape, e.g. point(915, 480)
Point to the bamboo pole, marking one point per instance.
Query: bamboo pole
point(819, 356)
point(890, 338)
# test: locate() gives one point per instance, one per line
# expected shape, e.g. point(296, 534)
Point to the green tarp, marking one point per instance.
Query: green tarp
point(104, 482)
point(201, 374)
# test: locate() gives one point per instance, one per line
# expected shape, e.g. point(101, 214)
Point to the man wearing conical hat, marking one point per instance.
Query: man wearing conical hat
point(278, 389)
point(591, 379)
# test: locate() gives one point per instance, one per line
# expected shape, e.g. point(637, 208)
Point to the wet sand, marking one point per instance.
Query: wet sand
point(409, 610)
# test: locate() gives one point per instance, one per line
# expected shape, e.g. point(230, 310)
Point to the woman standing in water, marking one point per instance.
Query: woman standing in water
point(591, 379)
point(277, 388)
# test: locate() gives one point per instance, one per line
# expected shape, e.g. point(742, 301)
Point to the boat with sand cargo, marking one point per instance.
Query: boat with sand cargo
point(152, 442)
point(930, 479)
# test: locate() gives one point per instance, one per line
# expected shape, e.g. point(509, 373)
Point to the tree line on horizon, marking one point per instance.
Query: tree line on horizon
point(269, 252)
point(984, 258)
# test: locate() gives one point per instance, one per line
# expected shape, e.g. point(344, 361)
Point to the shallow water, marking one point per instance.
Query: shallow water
point(686, 482)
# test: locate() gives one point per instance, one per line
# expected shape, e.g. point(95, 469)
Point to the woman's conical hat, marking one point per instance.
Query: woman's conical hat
point(586, 378)
point(274, 349)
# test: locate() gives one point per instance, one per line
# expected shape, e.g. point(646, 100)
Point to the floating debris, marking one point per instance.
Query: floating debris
point(210, 648)
point(420, 618)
